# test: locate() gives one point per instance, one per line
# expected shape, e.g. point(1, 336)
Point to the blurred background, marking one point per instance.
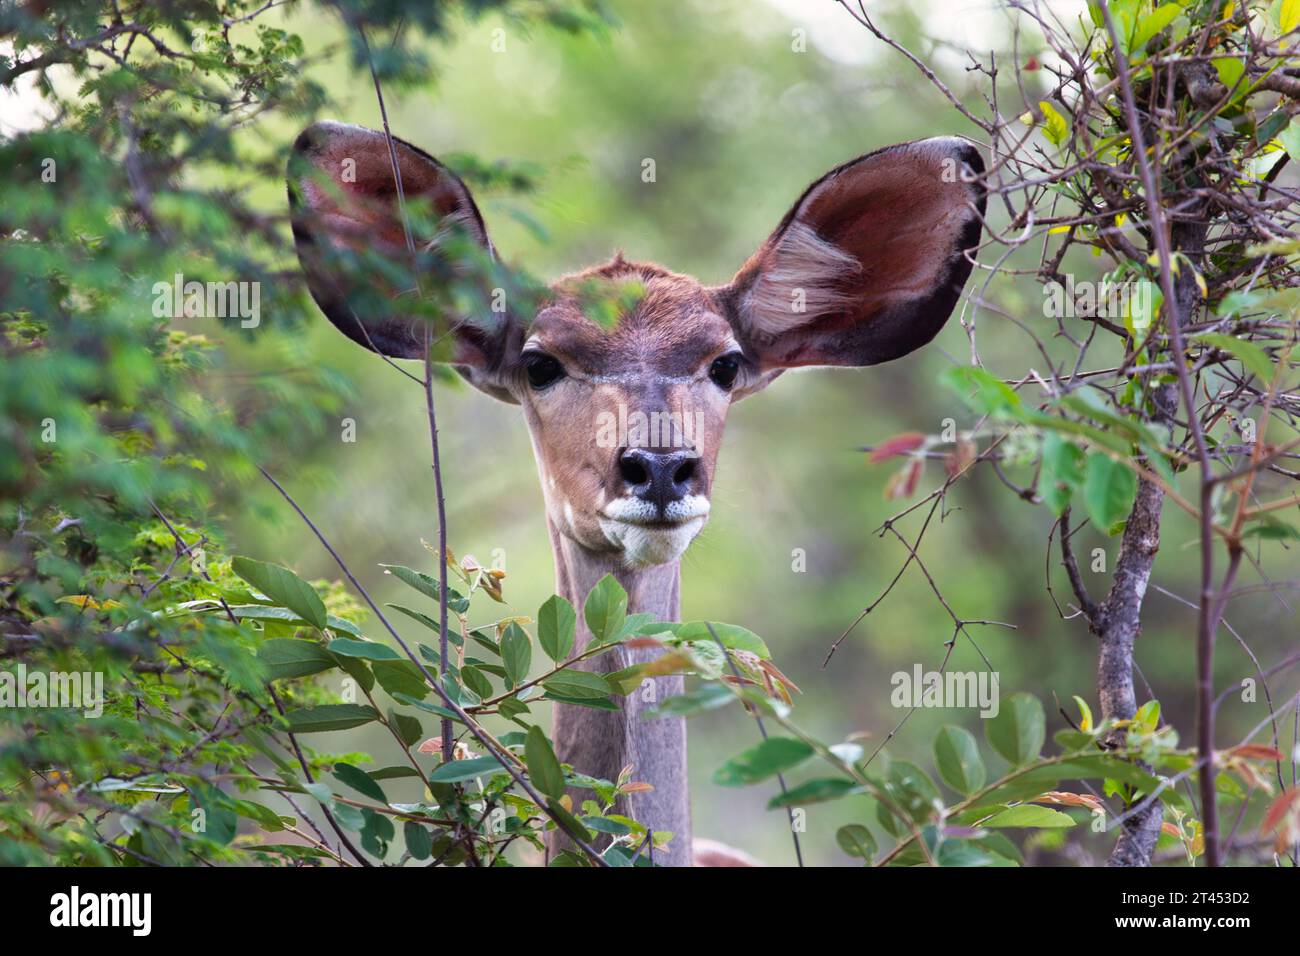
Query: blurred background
point(740, 104)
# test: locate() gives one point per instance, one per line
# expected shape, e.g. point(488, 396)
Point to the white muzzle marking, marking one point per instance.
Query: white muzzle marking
point(647, 538)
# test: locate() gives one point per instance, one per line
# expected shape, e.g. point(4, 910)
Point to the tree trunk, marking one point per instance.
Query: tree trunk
point(1117, 623)
point(1118, 620)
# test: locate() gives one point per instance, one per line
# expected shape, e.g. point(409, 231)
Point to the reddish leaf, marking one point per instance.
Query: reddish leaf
point(898, 445)
point(637, 642)
point(903, 484)
point(1277, 811)
point(1068, 799)
point(1254, 752)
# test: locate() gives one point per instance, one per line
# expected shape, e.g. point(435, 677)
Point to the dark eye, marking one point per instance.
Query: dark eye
point(542, 370)
point(724, 370)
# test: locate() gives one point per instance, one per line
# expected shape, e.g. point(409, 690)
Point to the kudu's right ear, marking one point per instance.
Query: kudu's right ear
point(868, 264)
point(343, 196)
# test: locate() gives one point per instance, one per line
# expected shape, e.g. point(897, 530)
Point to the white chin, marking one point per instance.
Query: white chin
point(644, 547)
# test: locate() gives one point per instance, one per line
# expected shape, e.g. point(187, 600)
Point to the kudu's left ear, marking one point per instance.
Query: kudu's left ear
point(867, 265)
point(342, 195)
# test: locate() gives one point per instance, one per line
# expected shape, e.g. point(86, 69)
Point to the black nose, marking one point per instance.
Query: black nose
point(658, 477)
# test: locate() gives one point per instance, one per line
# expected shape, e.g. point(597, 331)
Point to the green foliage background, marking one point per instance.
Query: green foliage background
point(737, 123)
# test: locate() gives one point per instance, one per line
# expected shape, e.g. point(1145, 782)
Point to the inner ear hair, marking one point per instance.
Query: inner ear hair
point(802, 263)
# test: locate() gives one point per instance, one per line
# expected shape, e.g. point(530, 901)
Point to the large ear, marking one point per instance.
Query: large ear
point(342, 195)
point(867, 265)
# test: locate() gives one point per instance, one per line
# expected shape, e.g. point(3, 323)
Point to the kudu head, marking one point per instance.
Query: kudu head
point(626, 417)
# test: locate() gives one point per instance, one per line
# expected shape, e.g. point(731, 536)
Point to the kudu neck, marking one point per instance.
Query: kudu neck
point(654, 590)
point(604, 743)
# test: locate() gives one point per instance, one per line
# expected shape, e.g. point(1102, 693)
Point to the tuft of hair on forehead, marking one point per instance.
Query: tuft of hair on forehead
point(617, 268)
point(644, 292)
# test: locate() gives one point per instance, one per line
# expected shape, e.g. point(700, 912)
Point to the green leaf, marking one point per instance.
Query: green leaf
point(1152, 23)
point(704, 698)
point(1251, 356)
point(393, 773)
point(1029, 815)
point(427, 585)
point(957, 757)
point(556, 623)
point(282, 615)
point(913, 790)
point(265, 817)
point(420, 616)
point(476, 680)
point(220, 819)
point(460, 770)
point(1018, 731)
point(419, 841)
point(771, 756)
point(408, 728)
point(377, 832)
point(512, 708)
point(982, 391)
point(567, 821)
point(1085, 714)
point(1108, 490)
point(962, 853)
point(349, 816)
point(358, 670)
point(360, 781)
point(818, 790)
point(401, 677)
point(1055, 126)
point(605, 609)
point(366, 650)
point(1270, 529)
point(1091, 403)
point(606, 825)
point(1147, 717)
point(429, 708)
point(1230, 70)
point(543, 767)
point(1289, 138)
point(286, 657)
point(574, 683)
point(996, 843)
point(284, 587)
point(732, 636)
point(1288, 16)
point(516, 654)
point(1062, 472)
point(856, 840)
point(313, 720)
